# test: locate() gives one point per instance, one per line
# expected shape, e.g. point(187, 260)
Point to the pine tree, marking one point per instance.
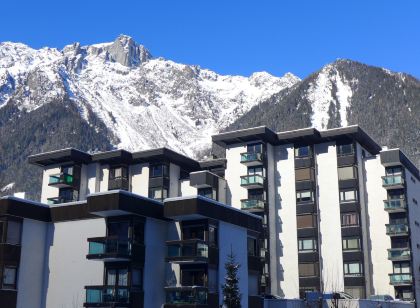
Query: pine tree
point(231, 295)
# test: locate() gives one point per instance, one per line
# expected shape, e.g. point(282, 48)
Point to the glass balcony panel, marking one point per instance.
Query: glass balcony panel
point(248, 157)
point(187, 248)
point(105, 294)
point(395, 229)
point(399, 254)
point(186, 295)
point(109, 246)
point(252, 179)
point(400, 278)
point(61, 178)
point(252, 204)
point(391, 180)
point(174, 250)
point(394, 204)
point(96, 248)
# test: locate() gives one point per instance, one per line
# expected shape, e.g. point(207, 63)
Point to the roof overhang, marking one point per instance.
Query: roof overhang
point(69, 155)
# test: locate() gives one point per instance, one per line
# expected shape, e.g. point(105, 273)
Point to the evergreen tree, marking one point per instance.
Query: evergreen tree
point(231, 295)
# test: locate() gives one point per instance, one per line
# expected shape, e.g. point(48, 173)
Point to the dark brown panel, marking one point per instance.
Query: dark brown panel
point(351, 231)
point(304, 162)
point(24, 208)
point(354, 281)
point(200, 206)
point(71, 212)
point(353, 256)
point(309, 282)
point(349, 207)
point(308, 257)
point(8, 298)
point(254, 263)
point(305, 208)
point(346, 160)
point(352, 183)
point(307, 232)
point(9, 254)
point(255, 302)
point(305, 185)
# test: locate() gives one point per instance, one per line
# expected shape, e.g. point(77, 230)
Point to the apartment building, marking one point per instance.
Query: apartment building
point(301, 210)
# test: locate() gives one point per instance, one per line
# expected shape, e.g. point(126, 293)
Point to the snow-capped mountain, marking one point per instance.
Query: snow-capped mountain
point(144, 102)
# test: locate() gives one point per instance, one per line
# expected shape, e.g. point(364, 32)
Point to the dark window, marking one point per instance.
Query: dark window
point(118, 173)
point(212, 235)
point(68, 195)
point(349, 219)
point(304, 196)
point(304, 151)
point(10, 231)
point(308, 269)
point(396, 194)
point(256, 194)
point(9, 277)
point(158, 193)
point(254, 148)
point(255, 170)
point(402, 267)
point(393, 171)
point(161, 170)
point(193, 277)
point(252, 247)
point(193, 232)
point(118, 229)
point(345, 149)
point(137, 278)
point(138, 232)
point(117, 277)
point(207, 192)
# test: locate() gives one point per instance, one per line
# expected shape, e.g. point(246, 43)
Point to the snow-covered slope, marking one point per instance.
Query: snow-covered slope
point(145, 102)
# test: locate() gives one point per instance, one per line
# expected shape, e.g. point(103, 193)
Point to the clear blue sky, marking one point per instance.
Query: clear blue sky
point(229, 36)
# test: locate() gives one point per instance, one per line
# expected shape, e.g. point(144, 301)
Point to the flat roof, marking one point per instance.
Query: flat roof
point(60, 157)
point(392, 157)
point(308, 135)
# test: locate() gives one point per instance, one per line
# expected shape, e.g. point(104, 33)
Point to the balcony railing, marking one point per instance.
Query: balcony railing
point(400, 279)
point(61, 180)
point(252, 181)
point(194, 295)
point(392, 180)
point(397, 229)
point(104, 248)
point(96, 295)
point(399, 254)
point(194, 250)
point(251, 159)
point(251, 204)
point(395, 205)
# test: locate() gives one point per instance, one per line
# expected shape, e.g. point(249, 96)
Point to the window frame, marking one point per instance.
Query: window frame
point(349, 214)
point(164, 173)
point(340, 151)
point(299, 155)
point(340, 176)
point(162, 190)
point(8, 286)
point(301, 247)
point(348, 273)
point(343, 193)
point(300, 192)
point(347, 239)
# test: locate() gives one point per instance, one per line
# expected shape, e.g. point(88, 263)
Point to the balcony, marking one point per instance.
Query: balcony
point(399, 254)
point(61, 180)
point(252, 181)
point(393, 181)
point(191, 251)
point(111, 249)
point(395, 205)
point(400, 279)
point(196, 296)
point(112, 296)
point(251, 159)
point(401, 229)
point(252, 205)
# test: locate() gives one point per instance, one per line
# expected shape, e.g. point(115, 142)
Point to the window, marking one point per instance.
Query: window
point(393, 171)
point(353, 269)
point(10, 231)
point(256, 194)
point(308, 269)
point(396, 194)
point(355, 292)
point(159, 171)
point(345, 149)
point(158, 193)
point(306, 221)
point(137, 278)
point(346, 173)
point(348, 195)
point(304, 196)
point(349, 219)
point(118, 229)
point(255, 170)
point(118, 173)
point(351, 243)
point(193, 232)
point(304, 151)
point(207, 192)
point(254, 148)
point(9, 277)
point(305, 174)
point(402, 268)
point(117, 277)
point(252, 247)
point(307, 245)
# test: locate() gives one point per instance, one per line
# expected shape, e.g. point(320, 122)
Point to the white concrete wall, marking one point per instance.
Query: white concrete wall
point(330, 242)
point(186, 189)
point(48, 191)
point(67, 270)
point(91, 178)
point(379, 242)
point(233, 238)
point(103, 178)
point(413, 192)
point(140, 179)
point(233, 173)
point(174, 185)
point(154, 265)
point(31, 268)
point(222, 191)
point(282, 201)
